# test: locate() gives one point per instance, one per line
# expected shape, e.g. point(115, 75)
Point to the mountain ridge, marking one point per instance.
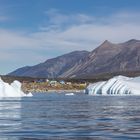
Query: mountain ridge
point(108, 57)
point(45, 69)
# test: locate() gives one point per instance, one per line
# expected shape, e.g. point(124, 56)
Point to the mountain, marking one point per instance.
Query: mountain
point(107, 58)
point(52, 68)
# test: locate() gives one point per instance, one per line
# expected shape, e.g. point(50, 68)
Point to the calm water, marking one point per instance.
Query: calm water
point(79, 117)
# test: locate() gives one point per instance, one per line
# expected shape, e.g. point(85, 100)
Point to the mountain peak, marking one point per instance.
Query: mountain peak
point(106, 41)
point(130, 42)
point(105, 44)
point(133, 40)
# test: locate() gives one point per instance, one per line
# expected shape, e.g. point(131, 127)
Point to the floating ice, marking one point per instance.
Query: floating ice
point(118, 85)
point(69, 94)
point(13, 90)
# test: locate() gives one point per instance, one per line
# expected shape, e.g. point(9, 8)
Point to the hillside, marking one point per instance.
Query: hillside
point(52, 68)
point(107, 58)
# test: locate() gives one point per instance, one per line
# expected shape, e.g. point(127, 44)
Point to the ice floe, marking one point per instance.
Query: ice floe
point(69, 94)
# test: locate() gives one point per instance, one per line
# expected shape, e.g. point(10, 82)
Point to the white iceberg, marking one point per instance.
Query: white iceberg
point(69, 94)
point(118, 85)
point(11, 90)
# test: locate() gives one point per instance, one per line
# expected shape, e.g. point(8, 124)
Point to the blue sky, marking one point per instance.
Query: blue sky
point(32, 31)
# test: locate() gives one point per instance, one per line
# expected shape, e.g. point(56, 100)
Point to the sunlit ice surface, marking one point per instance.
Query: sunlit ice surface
point(11, 90)
point(116, 86)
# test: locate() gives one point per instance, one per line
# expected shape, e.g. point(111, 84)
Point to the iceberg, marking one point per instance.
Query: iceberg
point(11, 90)
point(118, 85)
point(69, 94)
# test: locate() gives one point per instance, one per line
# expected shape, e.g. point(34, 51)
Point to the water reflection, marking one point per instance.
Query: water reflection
point(76, 117)
point(10, 116)
point(79, 117)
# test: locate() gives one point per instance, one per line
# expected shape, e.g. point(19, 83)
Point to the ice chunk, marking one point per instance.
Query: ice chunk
point(13, 90)
point(118, 85)
point(69, 94)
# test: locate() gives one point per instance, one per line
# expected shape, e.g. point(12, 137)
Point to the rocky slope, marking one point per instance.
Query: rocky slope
point(107, 58)
point(52, 68)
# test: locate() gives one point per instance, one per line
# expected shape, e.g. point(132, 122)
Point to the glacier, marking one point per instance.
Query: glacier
point(11, 90)
point(118, 85)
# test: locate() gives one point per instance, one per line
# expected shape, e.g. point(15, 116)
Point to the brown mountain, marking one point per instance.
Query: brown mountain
point(107, 58)
point(52, 68)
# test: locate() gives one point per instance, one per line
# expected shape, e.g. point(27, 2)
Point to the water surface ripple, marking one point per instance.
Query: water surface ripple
point(79, 117)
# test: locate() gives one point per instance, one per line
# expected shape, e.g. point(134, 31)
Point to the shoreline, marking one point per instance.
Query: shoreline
point(57, 91)
point(74, 90)
point(44, 87)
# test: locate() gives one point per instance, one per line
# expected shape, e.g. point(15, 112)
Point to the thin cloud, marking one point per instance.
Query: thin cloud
point(65, 33)
point(117, 27)
point(57, 19)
